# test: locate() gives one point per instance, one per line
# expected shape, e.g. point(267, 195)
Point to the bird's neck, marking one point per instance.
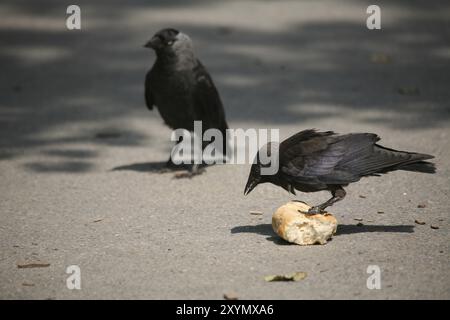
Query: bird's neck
point(277, 180)
point(178, 62)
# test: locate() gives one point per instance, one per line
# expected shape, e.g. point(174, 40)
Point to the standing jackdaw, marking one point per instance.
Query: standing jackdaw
point(181, 87)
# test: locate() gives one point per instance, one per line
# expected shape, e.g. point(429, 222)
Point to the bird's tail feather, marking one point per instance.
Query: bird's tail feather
point(420, 166)
point(408, 161)
point(383, 160)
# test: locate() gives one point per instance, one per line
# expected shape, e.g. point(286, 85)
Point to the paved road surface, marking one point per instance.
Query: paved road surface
point(79, 151)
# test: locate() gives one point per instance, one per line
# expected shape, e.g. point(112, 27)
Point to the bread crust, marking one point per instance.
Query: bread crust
point(304, 229)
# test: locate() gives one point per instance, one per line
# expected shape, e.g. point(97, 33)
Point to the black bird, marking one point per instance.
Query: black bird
point(312, 161)
point(181, 87)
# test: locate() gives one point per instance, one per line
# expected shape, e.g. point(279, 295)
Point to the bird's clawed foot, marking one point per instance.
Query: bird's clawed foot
point(314, 210)
point(338, 194)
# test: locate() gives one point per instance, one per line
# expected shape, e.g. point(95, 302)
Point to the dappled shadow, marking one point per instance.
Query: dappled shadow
point(90, 81)
point(63, 160)
point(71, 160)
point(68, 153)
point(61, 166)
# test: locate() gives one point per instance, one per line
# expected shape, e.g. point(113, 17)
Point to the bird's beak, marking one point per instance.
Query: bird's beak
point(251, 184)
point(153, 43)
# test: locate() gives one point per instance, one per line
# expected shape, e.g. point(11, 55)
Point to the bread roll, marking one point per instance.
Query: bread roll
point(300, 228)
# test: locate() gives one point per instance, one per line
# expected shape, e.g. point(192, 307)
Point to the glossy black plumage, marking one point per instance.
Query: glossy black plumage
point(311, 161)
point(180, 87)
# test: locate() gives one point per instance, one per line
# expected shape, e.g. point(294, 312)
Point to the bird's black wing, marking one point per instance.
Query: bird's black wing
point(207, 104)
point(148, 93)
point(313, 157)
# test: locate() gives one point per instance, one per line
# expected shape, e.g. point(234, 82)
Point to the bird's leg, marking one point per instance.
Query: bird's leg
point(194, 170)
point(170, 166)
point(338, 194)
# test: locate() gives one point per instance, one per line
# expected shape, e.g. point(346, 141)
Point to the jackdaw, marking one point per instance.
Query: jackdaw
point(181, 87)
point(311, 161)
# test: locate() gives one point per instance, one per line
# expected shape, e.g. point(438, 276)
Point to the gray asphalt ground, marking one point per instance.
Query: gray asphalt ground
point(79, 152)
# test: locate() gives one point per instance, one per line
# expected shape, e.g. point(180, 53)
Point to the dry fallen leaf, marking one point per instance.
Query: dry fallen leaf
point(32, 264)
point(296, 276)
point(420, 222)
point(230, 296)
point(359, 224)
point(362, 197)
point(380, 212)
point(358, 219)
point(28, 284)
point(98, 220)
point(434, 226)
point(256, 213)
point(421, 205)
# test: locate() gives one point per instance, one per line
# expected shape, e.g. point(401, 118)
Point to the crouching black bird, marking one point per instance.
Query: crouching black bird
point(312, 161)
point(181, 88)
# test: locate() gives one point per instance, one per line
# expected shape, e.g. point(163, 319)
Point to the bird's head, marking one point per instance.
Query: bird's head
point(170, 42)
point(254, 178)
point(264, 167)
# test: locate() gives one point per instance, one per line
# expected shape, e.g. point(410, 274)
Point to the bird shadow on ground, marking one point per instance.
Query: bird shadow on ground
point(157, 166)
point(352, 228)
point(266, 230)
